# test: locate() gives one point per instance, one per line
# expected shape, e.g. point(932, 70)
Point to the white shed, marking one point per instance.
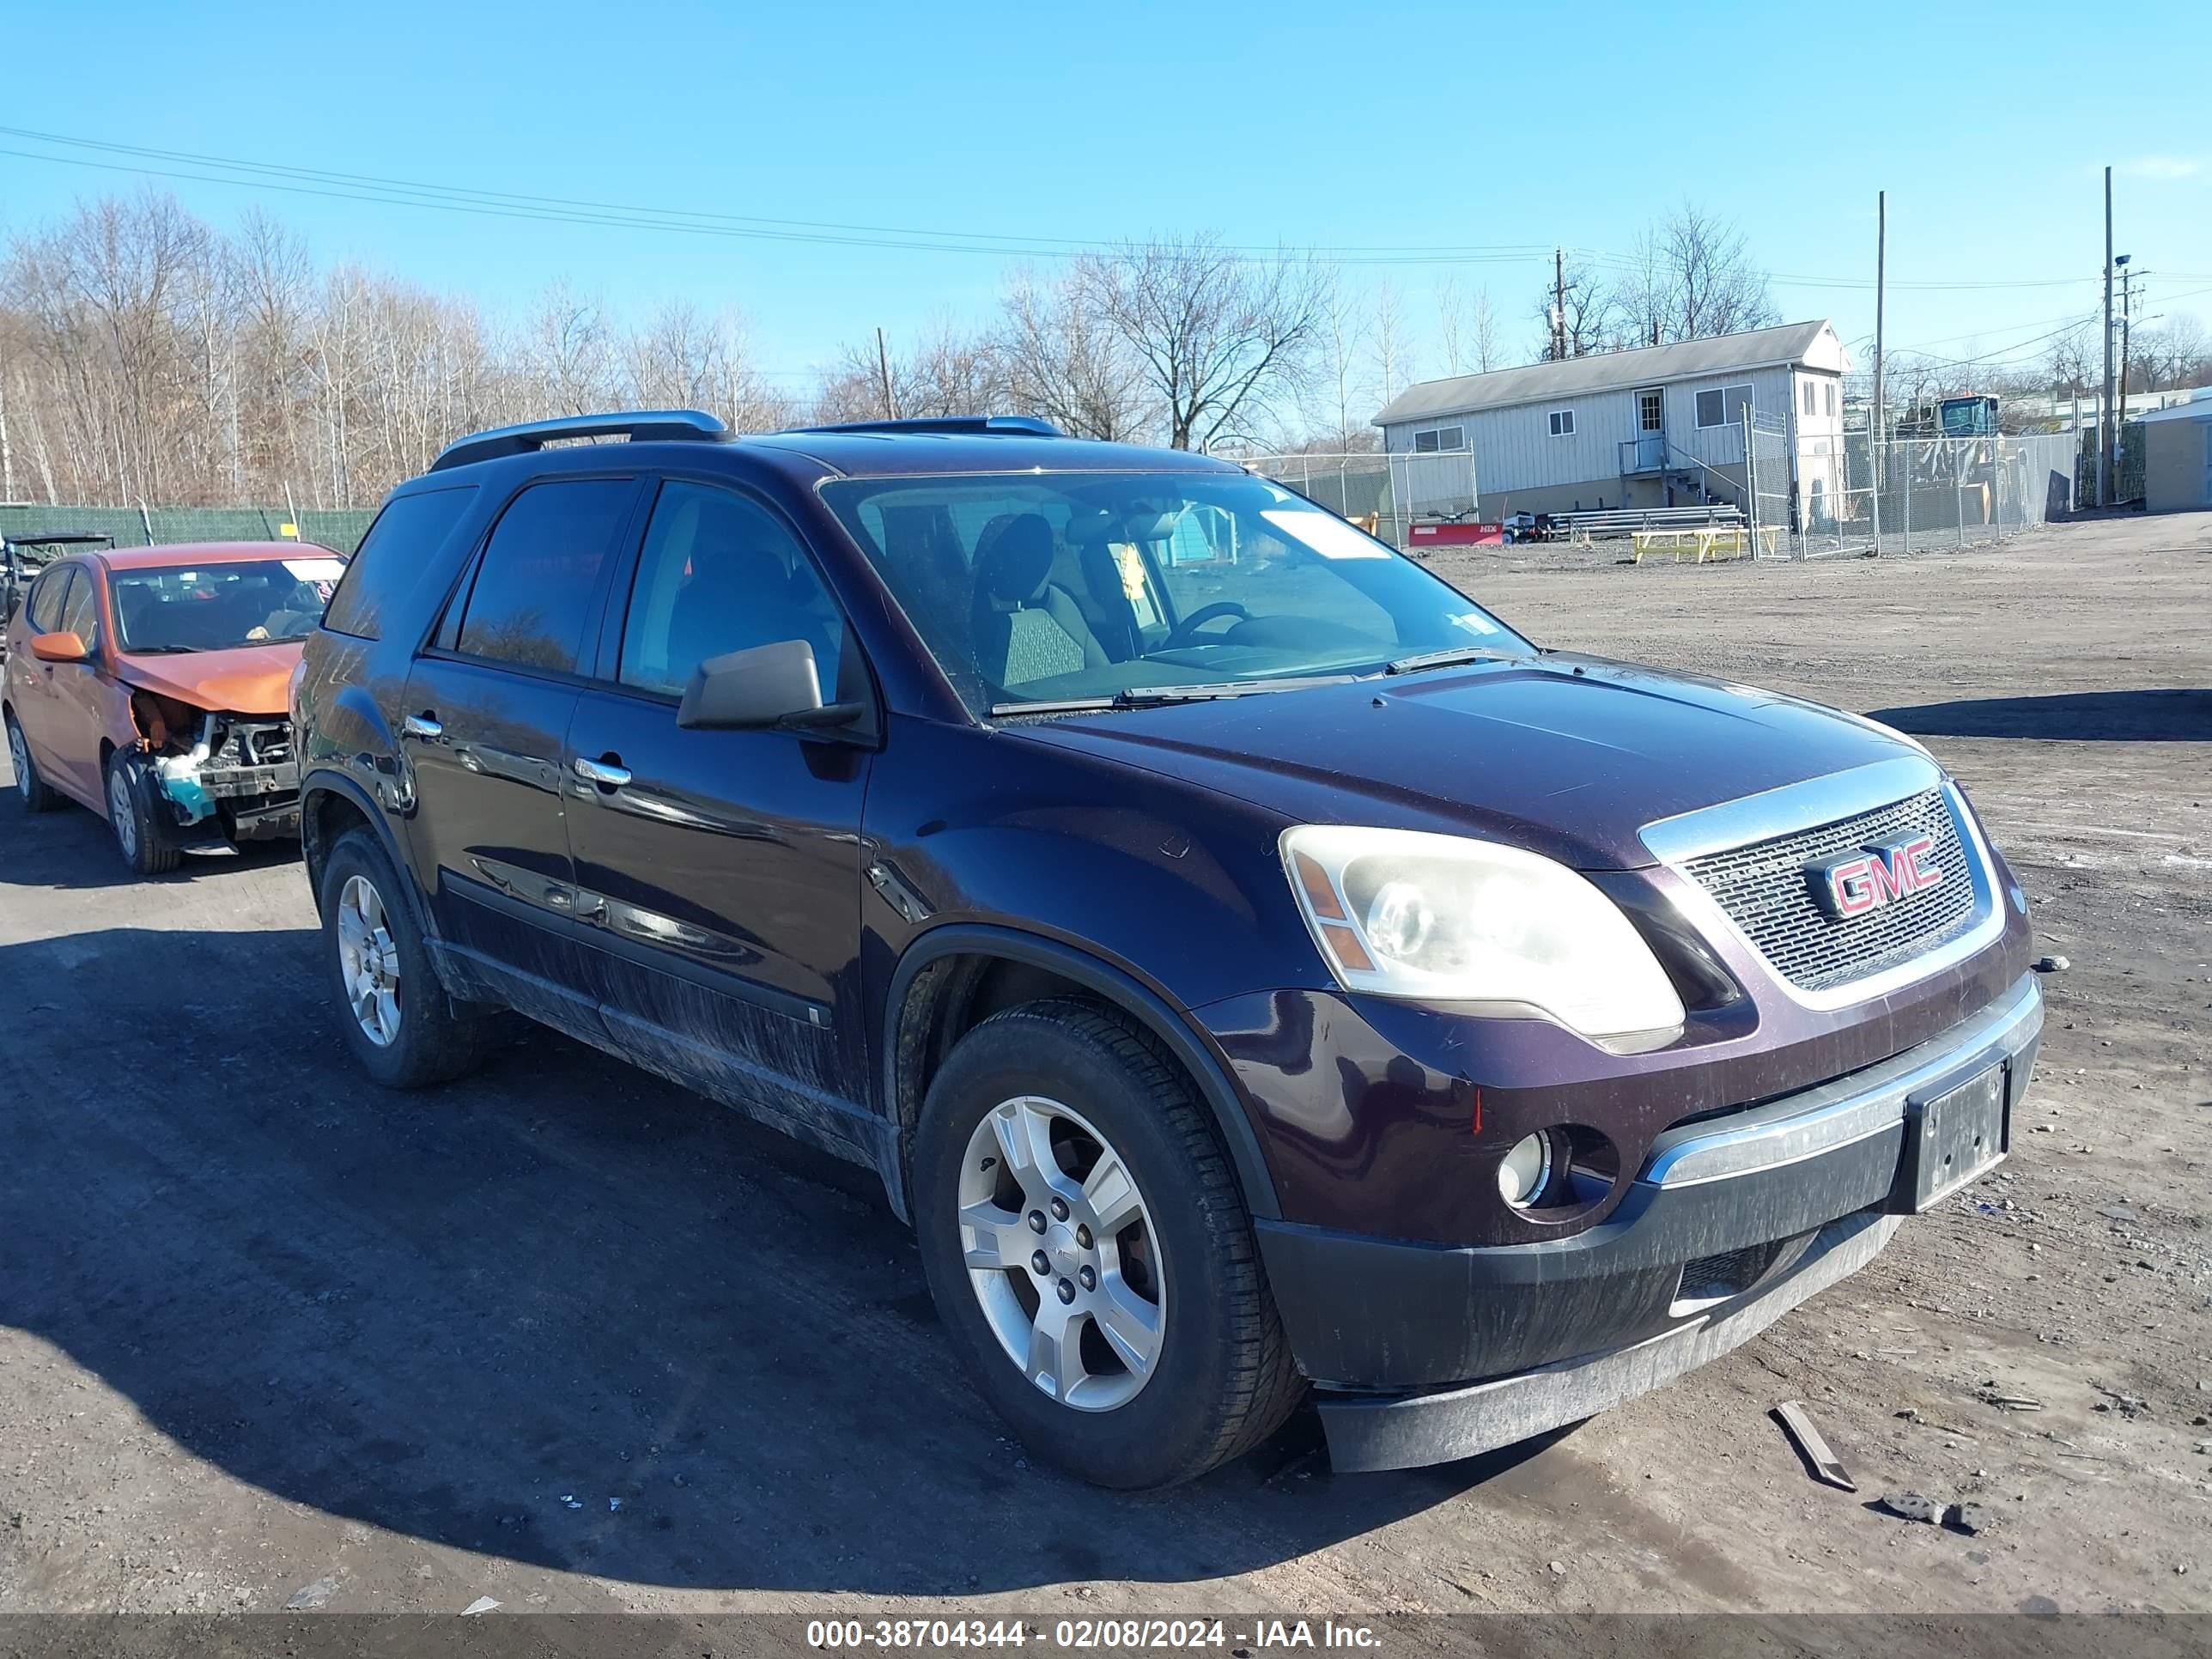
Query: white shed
point(1656, 426)
point(2177, 444)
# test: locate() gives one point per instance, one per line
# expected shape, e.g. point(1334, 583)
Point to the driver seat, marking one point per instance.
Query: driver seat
point(1027, 627)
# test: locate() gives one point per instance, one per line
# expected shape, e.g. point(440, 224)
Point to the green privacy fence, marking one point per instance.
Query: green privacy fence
point(144, 526)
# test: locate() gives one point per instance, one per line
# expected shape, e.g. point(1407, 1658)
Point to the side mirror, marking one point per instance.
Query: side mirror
point(59, 648)
point(766, 686)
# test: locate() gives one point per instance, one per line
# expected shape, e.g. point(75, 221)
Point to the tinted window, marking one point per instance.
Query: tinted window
point(77, 615)
point(406, 533)
point(44, 609)
point(719, 574)
point(534, 585)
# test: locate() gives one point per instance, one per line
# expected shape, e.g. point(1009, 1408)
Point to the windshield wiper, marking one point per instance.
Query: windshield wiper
point(1138, 697)
point(1147, 696)
point(1450, 655)
point(158, 650)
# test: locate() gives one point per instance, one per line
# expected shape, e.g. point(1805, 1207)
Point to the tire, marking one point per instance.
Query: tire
point(141, 834)
point(33, 791)
point(1219, 1378)
point(371, 943)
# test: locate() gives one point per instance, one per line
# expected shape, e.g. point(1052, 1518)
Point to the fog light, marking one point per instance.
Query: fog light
point(1526, 1171)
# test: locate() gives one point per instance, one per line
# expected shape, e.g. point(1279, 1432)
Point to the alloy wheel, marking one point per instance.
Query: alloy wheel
point(121, 813)
point(369, 961)
point(1062, 1254)
point(18, 759)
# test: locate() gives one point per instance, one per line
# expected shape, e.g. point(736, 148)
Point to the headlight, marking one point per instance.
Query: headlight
point(1400, 912)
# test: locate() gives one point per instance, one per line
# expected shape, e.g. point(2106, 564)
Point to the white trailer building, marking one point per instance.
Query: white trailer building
point(1661, 426)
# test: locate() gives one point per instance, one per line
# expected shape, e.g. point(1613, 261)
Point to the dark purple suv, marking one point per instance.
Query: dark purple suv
point(1256, 970)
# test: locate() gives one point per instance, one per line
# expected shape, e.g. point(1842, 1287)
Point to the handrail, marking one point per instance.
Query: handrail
point(641, 426)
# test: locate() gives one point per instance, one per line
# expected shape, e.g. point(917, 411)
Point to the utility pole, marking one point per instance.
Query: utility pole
point(1874, 456)
point(2127, 275)
point(884, 367)
point(2104, 409)
point(1558, 305)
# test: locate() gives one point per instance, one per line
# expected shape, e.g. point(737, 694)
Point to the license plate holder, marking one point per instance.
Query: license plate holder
point(1951, 1138)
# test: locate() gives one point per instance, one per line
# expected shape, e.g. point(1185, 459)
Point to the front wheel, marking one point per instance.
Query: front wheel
point(141, 836)
point(1084, 1239)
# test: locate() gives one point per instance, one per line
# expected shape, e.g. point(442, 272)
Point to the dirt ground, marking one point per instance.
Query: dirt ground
point(568, 1337)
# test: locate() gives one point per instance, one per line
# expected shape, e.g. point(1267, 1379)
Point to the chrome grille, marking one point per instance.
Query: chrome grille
point(1766, 891)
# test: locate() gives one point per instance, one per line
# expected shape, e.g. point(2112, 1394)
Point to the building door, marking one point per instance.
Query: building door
point(1650, 429)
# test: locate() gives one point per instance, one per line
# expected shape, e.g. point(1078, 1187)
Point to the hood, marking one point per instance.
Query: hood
point(247, 679)
point(1565, 756)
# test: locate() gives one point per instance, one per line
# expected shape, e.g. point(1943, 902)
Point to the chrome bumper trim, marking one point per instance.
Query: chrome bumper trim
point(1850, 1109)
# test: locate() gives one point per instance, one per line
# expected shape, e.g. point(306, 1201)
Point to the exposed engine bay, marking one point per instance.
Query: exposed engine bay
point(226, 776)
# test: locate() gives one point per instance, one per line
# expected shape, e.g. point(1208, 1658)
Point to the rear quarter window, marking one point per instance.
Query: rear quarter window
point(406, 534)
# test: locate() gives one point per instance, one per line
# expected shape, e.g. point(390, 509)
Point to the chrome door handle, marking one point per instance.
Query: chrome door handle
point(593, 771)
point(421, 725)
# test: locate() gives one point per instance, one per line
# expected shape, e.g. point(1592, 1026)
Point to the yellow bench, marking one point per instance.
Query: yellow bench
point(1710, 541)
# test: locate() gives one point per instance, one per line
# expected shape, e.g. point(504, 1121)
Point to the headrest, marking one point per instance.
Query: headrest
point(1017, 562)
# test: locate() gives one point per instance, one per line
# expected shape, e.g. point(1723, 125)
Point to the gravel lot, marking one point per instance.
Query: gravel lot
point(568, 1337)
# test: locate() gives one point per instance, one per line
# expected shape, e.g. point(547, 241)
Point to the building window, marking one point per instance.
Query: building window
point(1563, 423)
point(1444, 437)
point(1723, 405)
point(1832, 396)
point(1808, 396)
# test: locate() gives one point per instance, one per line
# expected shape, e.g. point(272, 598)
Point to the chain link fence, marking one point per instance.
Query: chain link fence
point(150, 527)
point(1908, 495)
point(1392, 492)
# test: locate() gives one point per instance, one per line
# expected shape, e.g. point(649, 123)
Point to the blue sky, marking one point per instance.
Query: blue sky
point(1467, 126)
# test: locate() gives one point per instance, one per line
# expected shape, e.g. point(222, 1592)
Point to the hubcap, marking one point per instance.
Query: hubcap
point(19, 758)
point(369, 961)
point(121, 813)
point(1081, 1309)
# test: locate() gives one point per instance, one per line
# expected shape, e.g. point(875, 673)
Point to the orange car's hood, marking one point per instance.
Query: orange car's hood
point(248, 680)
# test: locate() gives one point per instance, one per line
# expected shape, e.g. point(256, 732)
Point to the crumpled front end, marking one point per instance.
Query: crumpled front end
point(224, 776)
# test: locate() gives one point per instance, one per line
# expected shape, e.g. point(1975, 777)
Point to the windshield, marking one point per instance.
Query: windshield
point(1053, 587)
point(216, 607)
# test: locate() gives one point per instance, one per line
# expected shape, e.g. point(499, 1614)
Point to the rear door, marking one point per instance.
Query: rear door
point(79, 690)
point(487, 708)
point(722, 870)
point(33, 692)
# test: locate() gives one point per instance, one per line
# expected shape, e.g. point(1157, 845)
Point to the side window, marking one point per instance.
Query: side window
point(79, 616)
point(406, 534)
point(719, 574)
point(44, 611)
point(532, 598)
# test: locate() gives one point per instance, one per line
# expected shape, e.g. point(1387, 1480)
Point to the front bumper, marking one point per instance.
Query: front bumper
point(1731, 1221)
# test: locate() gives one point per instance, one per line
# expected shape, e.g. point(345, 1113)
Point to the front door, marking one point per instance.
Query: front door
point(722, 869)
point(1650, 429)
point(487, 708)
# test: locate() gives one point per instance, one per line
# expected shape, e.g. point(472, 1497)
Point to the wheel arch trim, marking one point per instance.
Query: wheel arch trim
point(1118, 987)
point(325, 782)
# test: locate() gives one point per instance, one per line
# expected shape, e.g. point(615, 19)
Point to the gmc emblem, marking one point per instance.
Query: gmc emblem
point(1878, 875)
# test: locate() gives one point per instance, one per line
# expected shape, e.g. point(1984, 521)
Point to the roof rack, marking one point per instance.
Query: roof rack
point(1017, 426)
point(641, 426)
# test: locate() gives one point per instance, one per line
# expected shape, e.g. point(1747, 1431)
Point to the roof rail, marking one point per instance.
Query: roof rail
point(641, 426)
point(1018, 426)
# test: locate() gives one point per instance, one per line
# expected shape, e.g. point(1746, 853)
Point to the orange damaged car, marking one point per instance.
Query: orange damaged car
point(149, 685)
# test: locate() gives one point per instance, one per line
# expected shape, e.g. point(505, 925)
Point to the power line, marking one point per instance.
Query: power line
point(202, 168)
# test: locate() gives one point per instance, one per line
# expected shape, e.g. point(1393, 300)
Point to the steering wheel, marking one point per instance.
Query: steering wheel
point(1186, 630)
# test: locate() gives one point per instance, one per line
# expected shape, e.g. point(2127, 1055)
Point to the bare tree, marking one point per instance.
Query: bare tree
point(1063, 362)
point(1711, 284)
point(1223, 339)
point(1393, 351)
